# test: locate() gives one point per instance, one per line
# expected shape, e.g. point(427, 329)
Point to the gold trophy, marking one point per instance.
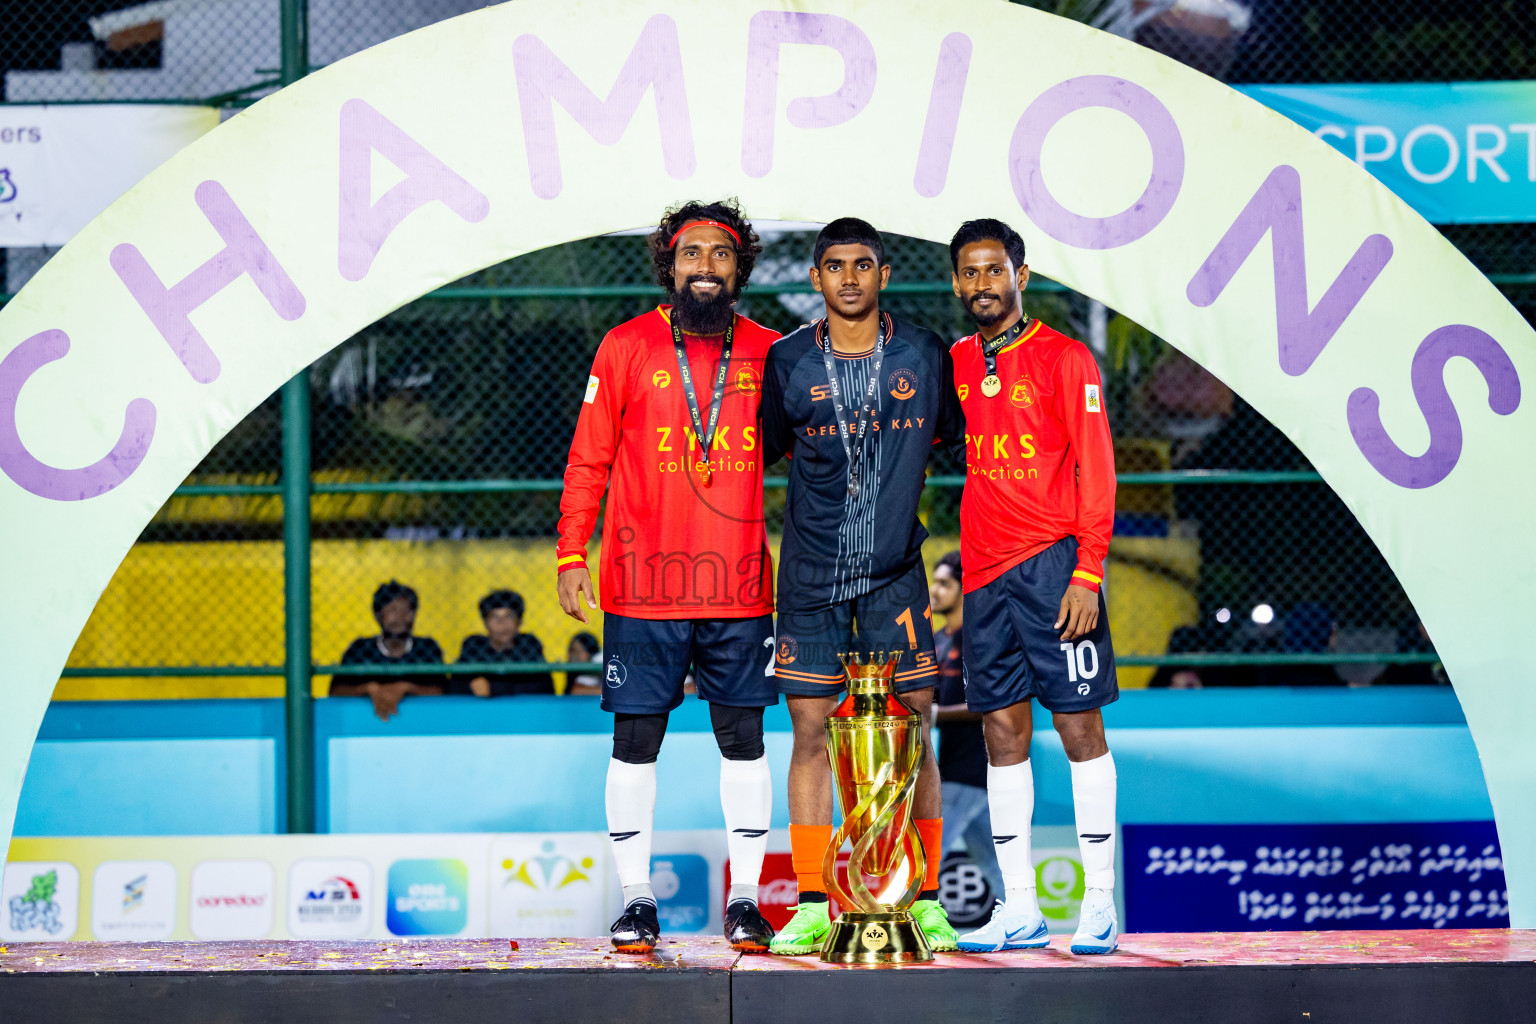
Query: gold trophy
point(875, 744)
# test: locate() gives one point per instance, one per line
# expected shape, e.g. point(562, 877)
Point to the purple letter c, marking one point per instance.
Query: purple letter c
point(1141, 216)
point(64, 484)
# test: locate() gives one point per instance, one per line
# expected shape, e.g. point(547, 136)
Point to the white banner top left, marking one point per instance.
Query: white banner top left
point(62, 165)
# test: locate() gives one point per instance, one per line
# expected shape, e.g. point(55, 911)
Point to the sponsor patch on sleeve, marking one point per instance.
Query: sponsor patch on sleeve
point(592, 391)
point(1090, 390)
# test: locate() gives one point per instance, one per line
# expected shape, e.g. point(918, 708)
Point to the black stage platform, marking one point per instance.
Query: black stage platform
point(1394, 977)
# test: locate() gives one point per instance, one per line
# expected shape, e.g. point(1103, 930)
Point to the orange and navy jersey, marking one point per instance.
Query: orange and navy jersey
point(673, 546)
point(1040, 465)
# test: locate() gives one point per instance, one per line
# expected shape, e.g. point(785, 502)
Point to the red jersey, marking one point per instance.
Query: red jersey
point(673, 548)
point(1039, 462)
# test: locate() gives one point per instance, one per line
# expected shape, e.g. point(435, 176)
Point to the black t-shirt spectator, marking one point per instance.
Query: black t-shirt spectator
point(368, 650)
point(962, 748)
point(525, 647)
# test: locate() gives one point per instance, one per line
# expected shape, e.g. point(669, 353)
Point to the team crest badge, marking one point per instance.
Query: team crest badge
point(1023, 393)
point(902, 384)
point(746, 380)
point(788, 650)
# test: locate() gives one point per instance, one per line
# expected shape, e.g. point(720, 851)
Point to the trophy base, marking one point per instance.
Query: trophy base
point(888, 938)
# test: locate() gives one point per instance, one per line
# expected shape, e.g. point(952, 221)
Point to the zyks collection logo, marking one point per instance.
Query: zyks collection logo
point(133, 899)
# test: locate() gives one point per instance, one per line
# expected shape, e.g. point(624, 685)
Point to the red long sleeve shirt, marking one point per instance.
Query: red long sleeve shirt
point(673, 548)
point(1040, 465)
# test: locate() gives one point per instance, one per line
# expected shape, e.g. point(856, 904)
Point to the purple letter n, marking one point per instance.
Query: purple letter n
point(543, 80)
point(1276, 209)
point(170, 308)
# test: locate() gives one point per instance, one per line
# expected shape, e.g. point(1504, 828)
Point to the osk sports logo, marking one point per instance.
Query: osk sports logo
point(661, 378)
point(902, 384)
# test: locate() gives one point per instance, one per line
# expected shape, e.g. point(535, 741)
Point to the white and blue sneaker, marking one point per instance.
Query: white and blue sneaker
point(1098, 929)
point(1017, 924)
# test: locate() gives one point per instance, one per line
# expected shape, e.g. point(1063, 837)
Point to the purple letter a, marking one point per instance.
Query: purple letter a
point(543, 80)
point(1276, 208)
point(363, 226)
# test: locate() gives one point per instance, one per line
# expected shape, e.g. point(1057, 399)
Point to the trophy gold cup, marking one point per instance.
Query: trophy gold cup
point(875, 744)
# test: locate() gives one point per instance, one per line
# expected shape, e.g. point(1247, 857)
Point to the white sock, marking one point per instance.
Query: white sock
point(1093, 798)
point(1011, 801)
point(746, 796)
point(631, 798)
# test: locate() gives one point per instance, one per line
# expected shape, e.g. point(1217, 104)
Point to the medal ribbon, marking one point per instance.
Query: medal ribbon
point(990, 349)
point(854, 447)
point(706, 440)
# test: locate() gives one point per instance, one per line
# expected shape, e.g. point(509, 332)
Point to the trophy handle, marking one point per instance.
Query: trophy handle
point(861, 897)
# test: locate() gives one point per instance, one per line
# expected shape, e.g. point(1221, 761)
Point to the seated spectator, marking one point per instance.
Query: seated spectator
point(1413, 638)
point(394, 608)
point(584, 647)
point(1212, 636)
point(1309, 629)
point(503, 641)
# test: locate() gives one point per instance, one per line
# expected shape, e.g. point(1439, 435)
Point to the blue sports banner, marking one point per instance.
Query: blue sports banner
point(1459, 153)
point(1240, 878)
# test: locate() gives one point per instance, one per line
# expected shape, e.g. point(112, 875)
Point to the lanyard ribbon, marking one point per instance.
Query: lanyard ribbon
point(854, 447)
point(990, 349)
point(706, 438)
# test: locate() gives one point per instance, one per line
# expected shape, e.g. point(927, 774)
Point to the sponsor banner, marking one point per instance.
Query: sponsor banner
point(62, 165)
point(690, 878)
point(133, 900)
point(329, 898)
point(1190, 878)
point(1458, 153)
point(39, 901)
point(550, 884)
point(963, 888)
point(233, 899)
point(428, 896)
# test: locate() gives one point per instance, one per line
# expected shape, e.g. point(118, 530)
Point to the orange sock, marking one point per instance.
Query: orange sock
point(807, 847)
point(931, 830)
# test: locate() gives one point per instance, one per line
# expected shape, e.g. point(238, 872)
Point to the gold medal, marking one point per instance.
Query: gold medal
point(990, 385)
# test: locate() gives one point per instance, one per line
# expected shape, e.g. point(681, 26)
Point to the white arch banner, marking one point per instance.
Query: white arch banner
point(1275, 262)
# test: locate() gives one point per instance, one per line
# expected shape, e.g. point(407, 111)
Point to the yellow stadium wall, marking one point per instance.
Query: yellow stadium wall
point(221, 603)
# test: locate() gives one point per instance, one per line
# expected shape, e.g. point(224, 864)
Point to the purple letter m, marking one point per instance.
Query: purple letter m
point(543, 80)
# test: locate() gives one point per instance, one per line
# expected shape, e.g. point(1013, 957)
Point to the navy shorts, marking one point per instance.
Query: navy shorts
point(648, 660)
point(894, 617)
point(1013, 651)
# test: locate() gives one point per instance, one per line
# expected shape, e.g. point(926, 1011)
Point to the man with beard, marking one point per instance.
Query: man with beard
point(669, 427)
point(858, 400)
point(1035, 524)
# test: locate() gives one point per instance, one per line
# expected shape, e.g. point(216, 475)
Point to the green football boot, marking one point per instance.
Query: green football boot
point(931, 918)
point(804, 932)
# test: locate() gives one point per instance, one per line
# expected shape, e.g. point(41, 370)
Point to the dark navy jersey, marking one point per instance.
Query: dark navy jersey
point(839, 546)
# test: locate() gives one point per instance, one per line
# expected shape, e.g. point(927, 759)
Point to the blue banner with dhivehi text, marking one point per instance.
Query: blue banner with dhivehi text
point(1459, 153)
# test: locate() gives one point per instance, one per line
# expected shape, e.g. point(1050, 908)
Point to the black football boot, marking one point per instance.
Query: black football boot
point(637, 929)
point(746, 929)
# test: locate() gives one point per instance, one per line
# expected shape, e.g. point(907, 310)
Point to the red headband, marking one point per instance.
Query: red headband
point(709, 224)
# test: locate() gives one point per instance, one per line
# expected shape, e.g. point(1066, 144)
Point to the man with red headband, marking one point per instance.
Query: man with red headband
point(669, 428)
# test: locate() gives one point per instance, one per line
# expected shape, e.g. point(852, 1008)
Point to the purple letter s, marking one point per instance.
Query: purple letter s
point(1428, 374)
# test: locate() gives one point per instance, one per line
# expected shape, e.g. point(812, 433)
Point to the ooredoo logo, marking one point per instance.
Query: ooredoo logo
point(902, 384)
point(232, 899)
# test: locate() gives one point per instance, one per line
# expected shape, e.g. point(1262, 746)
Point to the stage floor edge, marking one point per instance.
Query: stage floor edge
point(1402, 977)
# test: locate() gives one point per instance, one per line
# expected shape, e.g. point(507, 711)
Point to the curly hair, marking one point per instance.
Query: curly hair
point(726, 211)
